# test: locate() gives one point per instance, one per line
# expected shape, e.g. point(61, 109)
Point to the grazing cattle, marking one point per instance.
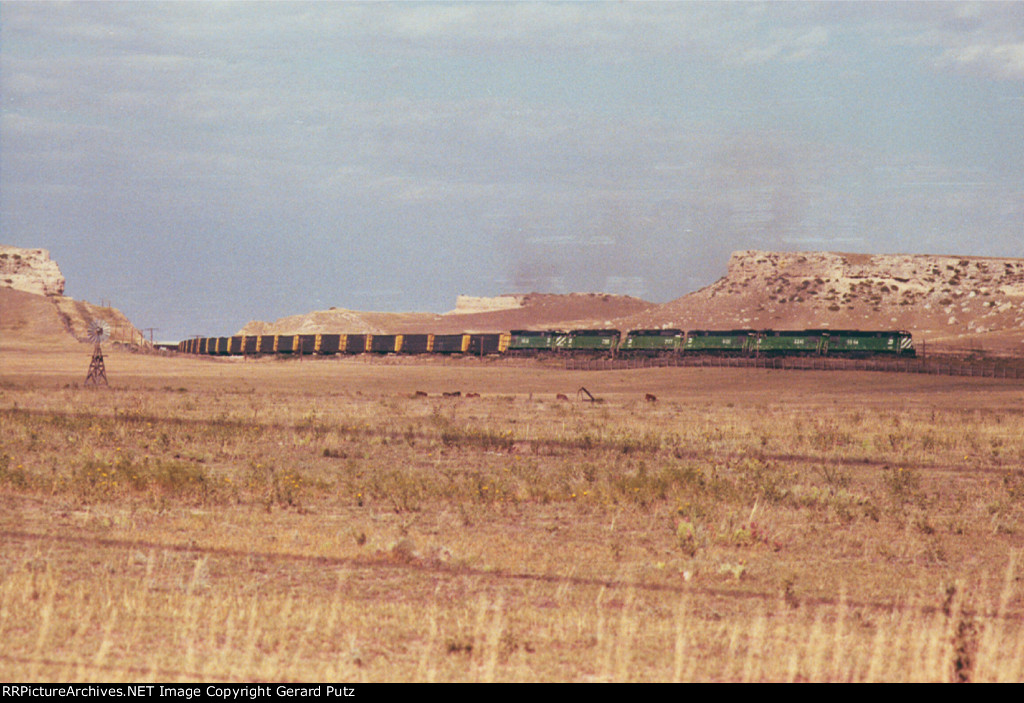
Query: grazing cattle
point(651, 398)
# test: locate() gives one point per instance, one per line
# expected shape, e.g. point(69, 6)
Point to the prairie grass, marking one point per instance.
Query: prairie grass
point(204, 520)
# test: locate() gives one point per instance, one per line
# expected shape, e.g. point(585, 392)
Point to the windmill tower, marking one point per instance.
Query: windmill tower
point(99, 330)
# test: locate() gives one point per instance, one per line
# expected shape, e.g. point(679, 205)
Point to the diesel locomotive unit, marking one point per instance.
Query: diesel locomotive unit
point(593, 342)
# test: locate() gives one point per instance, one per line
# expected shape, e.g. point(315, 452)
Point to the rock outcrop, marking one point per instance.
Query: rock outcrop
point(30, 270)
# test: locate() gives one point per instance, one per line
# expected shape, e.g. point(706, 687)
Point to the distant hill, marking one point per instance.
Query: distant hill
point(532, 310)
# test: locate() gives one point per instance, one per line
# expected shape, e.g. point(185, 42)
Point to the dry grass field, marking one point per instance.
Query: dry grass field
point(277, 520)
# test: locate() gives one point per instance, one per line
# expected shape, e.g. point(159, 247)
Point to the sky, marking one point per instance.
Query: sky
point(203, 164)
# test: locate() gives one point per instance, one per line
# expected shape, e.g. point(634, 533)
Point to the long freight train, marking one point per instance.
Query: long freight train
point(595, 342)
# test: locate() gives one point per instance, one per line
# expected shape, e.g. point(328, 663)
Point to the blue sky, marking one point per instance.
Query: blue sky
point(204, 164)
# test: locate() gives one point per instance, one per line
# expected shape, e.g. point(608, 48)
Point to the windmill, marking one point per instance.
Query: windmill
point(98, 331)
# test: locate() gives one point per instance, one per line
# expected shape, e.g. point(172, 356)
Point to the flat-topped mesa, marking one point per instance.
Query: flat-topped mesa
point(468, 304)
point(30, 270)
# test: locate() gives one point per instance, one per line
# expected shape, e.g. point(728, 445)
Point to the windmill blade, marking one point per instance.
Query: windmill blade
point(98, 331)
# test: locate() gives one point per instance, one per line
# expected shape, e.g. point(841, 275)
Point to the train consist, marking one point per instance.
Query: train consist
point(595, 342)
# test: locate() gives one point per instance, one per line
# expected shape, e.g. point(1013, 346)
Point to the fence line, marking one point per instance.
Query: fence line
point(922, 366)
point(944, 367)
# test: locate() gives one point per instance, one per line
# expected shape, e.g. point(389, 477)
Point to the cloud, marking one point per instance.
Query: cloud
point(791, 45)
point(1004, 61)
point(986, 39)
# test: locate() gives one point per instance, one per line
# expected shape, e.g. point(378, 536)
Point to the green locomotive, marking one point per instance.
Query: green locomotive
point(652, 342)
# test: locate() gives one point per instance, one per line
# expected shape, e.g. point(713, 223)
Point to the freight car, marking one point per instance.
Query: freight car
point(450, 344)
point(415, 343)
point(484, 344)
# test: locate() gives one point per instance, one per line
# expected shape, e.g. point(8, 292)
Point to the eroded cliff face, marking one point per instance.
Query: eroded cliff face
point(30, 270)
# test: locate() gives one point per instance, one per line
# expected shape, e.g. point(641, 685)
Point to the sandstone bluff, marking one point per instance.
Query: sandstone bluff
point(30, 270)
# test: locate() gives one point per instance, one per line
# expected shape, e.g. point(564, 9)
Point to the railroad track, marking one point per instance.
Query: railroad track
point(940, 367)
